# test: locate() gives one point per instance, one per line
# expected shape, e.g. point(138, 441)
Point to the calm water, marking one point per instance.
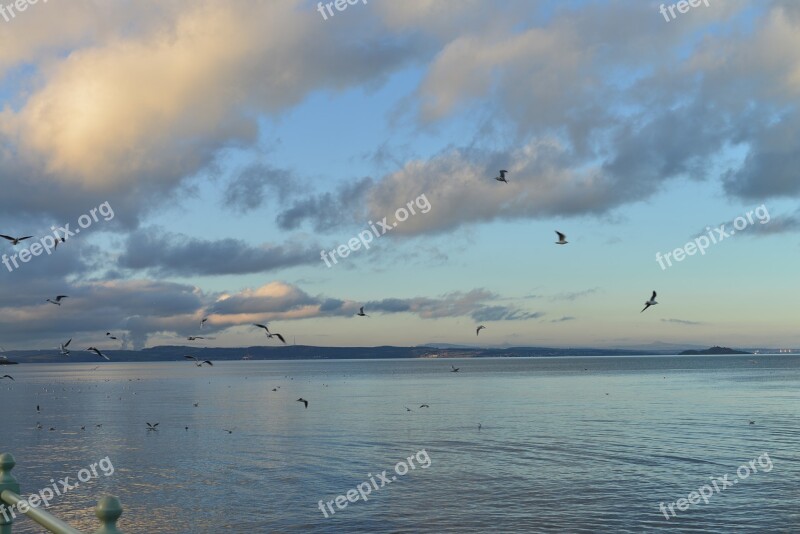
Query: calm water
point(566, 444)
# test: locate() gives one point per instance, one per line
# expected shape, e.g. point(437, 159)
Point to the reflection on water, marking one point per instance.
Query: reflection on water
point(566, 444)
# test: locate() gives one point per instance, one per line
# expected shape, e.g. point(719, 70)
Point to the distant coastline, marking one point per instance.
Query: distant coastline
point(712, 351)
point(305, 352)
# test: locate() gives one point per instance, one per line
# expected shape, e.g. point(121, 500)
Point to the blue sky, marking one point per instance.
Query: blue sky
point(236, 141)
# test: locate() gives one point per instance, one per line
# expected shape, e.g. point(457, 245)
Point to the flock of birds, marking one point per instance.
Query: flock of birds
point(65, 351)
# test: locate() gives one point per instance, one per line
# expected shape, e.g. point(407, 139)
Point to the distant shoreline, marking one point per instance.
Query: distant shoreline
point(308, 353)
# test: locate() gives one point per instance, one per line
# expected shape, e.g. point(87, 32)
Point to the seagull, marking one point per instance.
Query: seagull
point(59, 240)
point(152, 427)
point(424, 406)
point(8, 376)
point(38, 426)
point(301, 399)
point(97, 351)
point(562, 239)
point(408, 409)
point(15, 240)
point(192, 338)
point(278, 336)
point(229, 431)
point(454, 369)
point(110, 336)
point(203, 322)
point(479, 427)
point(651, 302)
point(64, 350)
point(502, 177)
point(57, 302)
point(752, 422)
point(478, 330)
point(361, 313)
point(199, 363)
point(196, 404)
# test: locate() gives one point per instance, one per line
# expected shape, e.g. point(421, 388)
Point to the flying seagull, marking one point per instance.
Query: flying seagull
point(96, 351)
point(110, 336)
point(199, 363)
point(203, 322)
point(502, 177)
point(228, 431)
point(64, 349)
point(651, 302)
point(562, 239)
point(59, 240)
point(7, 376)
point(15, 240)
point(454, 369)
point(301, 399)
point(424, 406)
point(57, 302)
point(152, 427)
point(408, 409)
point(478, 330)
point(192, 338)
point(361, 313)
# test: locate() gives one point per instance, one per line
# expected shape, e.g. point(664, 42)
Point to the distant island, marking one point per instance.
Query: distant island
point(712, 351)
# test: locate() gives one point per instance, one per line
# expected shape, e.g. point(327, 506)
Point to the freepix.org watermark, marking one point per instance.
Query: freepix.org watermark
point(340, 5)
point(7, 11)
point(365, 488)
point(365, 238)
point(44, 496)
point(49, 242)
point(682, 6)
point(714, 236)
point(705, 492)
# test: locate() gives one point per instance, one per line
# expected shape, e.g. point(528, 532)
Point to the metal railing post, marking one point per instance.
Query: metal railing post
point(7, 482)
point(108, 511)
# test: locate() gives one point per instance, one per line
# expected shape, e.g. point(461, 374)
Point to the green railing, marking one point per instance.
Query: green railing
point(108, 508)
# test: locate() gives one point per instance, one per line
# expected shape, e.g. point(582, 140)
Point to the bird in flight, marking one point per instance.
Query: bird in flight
point(454, 369)
point(361, 312)
point(64, 349)
point(301, 399)
point(57, 302)
point(97, 351)
point(502, 177)
point(110, 336)
point(424, 406)
point(203, 322)
point(651, 302)
point(228, 431)
point(478, 330)
point(197, 362)
point(15, 240)
point(408, 409)
point(562, 239)
point(152, 428)
point(7, 376)
point(192, 338)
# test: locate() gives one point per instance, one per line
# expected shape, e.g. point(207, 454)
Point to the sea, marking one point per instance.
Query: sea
point(705, 444)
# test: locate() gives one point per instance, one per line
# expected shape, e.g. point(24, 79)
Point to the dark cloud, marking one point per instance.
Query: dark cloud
point(169, 254)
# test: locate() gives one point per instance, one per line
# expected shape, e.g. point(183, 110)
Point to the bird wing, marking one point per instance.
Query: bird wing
point(26, 237)
point(7, 237)
point(645, 307)
point(59, 297)
point(561, 236)
point(208, 362)
point(67, 343)
point(280, 337)
point(654, 295)
point(190, 358)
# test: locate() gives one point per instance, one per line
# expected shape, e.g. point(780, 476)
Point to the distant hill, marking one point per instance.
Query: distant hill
point(711, 351)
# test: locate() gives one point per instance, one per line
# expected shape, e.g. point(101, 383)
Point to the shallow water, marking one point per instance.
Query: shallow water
point(565, 444)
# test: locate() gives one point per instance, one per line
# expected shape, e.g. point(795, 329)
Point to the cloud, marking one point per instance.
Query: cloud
point(681, 321)
point(169, 254)
point(574, 295)
point(563, 319)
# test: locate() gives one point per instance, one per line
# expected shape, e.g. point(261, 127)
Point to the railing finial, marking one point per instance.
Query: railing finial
point(108, 511)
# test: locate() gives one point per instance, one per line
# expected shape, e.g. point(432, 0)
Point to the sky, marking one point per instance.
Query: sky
point(224, 146)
